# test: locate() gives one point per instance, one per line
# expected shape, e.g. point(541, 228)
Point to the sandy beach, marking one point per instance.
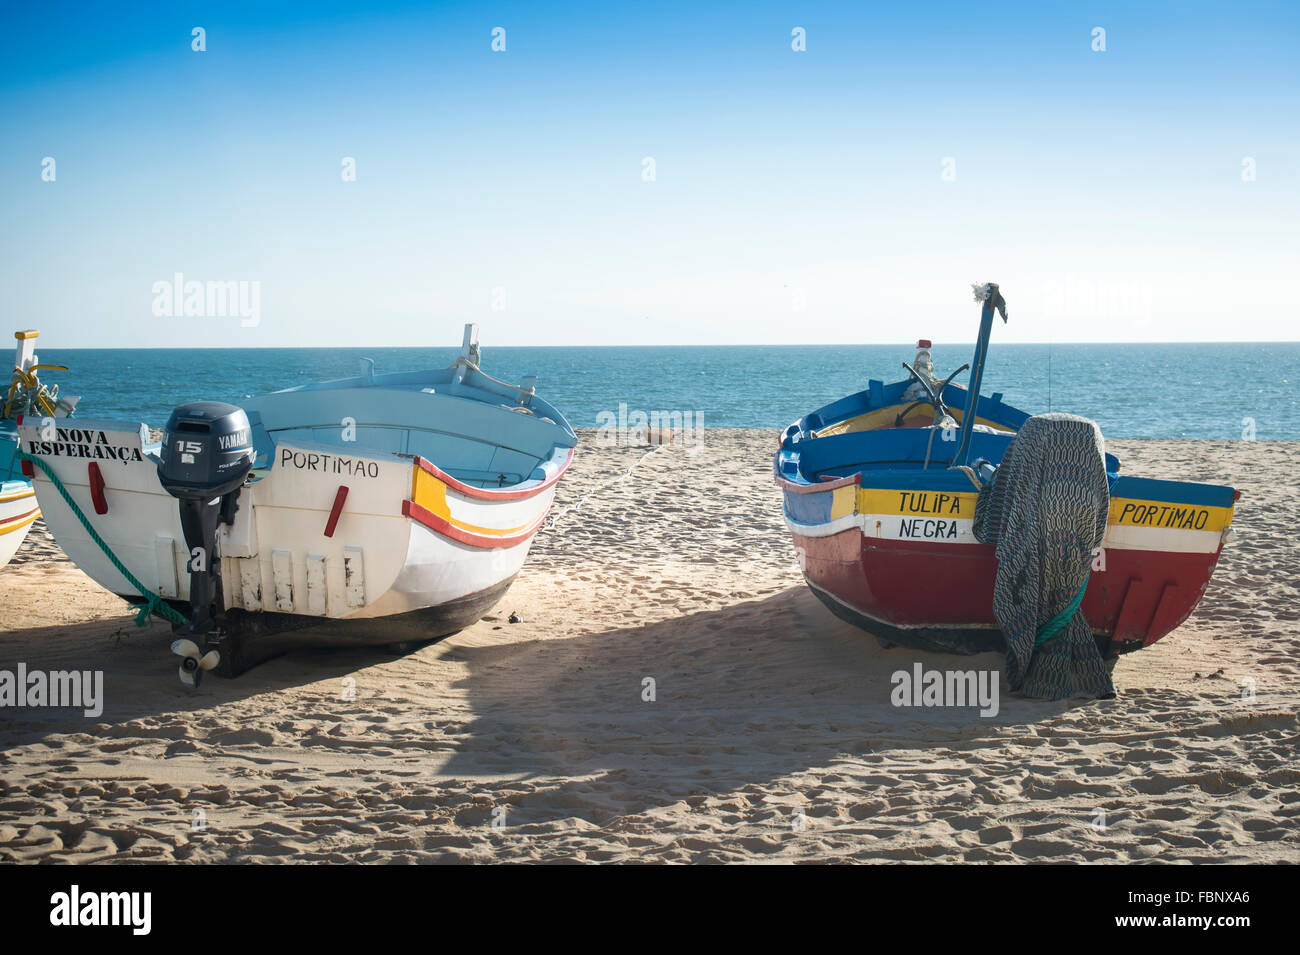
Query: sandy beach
point(770, 736)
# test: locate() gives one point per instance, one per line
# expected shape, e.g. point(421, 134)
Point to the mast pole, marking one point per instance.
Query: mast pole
point(993, 301)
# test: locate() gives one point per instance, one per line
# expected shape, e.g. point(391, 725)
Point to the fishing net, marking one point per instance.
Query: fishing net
point(1045, 511)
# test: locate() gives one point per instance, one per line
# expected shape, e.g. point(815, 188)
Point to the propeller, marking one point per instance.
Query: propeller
point(193, 663)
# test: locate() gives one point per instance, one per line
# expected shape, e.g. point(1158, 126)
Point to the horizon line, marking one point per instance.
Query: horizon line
point(1294, 341)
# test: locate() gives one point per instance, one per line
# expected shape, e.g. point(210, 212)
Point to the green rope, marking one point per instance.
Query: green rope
point(153, 603)
point(1057, 623)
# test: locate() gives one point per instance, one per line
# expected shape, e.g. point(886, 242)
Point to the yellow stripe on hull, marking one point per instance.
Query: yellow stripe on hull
point(431, 494)
point(1124, 512)
point(10, 528)
point(872, 500)
point(1128, 512)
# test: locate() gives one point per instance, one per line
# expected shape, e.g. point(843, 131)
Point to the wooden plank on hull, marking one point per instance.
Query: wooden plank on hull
point(316, 587)
point(250, 583)
point(354, 576)
point(282, 569)
point(164, 550)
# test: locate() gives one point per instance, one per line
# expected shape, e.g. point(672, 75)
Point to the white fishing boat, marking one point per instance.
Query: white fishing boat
point(26, 396)
point(380, 509)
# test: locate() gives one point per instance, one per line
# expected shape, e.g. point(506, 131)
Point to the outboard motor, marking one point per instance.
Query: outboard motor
point(207, 451)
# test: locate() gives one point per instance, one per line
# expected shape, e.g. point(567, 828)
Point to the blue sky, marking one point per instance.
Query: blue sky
point(798, 196)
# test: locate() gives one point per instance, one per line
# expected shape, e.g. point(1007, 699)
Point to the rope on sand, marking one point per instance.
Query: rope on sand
point(555, 518)
point(153, 603)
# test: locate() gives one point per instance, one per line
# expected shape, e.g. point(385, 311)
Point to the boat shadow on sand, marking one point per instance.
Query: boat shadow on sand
point(742, 696)
point(140, 682)
point(748, 693)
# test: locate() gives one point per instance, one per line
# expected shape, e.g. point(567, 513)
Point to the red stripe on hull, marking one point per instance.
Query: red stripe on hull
point(825, 485)
point(1140, 596)
point(18, 517)
point(435, 523)
point(490, 494)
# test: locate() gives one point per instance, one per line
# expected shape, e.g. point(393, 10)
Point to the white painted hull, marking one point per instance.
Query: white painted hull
point(405, 540)
point(18, 510)
point(438, 571)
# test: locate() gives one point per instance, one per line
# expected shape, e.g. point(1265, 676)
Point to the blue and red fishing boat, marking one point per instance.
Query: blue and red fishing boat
point(880, 490)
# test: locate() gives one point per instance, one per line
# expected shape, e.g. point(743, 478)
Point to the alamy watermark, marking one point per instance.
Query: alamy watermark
point(127, 909)
point(622, 428)
point(232, 299)
point(922, 687)
point(41, 689)
point(1086, 298)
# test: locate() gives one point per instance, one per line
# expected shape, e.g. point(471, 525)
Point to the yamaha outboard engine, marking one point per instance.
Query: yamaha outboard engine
point(207, 451)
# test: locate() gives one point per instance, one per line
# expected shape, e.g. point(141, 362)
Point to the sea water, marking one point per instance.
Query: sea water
point(1218, 391)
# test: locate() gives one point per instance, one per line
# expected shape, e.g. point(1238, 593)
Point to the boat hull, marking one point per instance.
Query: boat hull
point(939, 597)
point(900, 558)
point(324, 550)
point(251, 638)
point(18, 511)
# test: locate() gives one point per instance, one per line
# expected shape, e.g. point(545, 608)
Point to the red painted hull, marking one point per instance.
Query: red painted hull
point(940, 596)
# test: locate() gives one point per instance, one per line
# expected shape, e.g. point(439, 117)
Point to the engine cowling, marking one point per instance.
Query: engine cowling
point(207, 450)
